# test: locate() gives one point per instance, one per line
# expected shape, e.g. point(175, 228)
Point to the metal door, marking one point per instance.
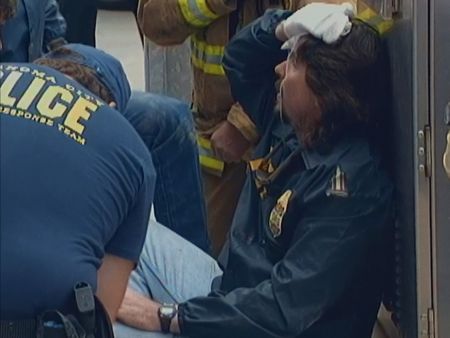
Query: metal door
point(423, 169)
point(408, 46)
point(440, 116)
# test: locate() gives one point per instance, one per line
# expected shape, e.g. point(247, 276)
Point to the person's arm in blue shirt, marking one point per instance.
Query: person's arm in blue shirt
point(55, 27)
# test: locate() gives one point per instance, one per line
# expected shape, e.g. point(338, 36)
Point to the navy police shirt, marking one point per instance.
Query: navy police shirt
point(76, 183)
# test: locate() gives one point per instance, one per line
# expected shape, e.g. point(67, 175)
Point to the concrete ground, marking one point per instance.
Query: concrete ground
point(117, 33)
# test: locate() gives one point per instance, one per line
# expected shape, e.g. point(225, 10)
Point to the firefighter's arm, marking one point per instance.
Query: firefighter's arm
point(170, 22)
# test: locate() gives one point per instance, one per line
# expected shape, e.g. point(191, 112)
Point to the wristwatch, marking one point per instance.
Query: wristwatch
point(166, 313)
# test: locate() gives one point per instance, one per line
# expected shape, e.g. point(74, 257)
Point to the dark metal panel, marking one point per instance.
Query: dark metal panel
point(423, 228)
point(409, 53)
point(441, 182)
point(400, 48)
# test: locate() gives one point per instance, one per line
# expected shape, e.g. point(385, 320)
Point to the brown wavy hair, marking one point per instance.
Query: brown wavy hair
point(61, 60)
point(344, 78)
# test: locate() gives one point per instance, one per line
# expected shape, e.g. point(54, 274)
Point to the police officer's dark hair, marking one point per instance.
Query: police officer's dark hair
point(344, 76)
point(82, 74)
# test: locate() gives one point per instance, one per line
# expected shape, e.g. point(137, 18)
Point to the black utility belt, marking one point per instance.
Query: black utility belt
point(51, 324)
point(90, 321)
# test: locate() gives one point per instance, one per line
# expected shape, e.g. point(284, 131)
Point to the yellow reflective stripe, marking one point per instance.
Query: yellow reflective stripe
point(206, 48)
point(207, 67)
point(204, 143)
point(189, 16)
point(381, 24)
point(385, 26)
point(366, 14)
point(197, 12)
point(206, 156)
point(203, 6)
point(211, 163)
point(207, 57)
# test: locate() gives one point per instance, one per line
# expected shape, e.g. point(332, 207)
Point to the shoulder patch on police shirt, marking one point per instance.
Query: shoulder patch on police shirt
point(339, 184)
point(278, 212)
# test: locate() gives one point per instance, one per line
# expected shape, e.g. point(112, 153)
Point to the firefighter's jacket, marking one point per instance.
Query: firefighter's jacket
point(210, 24)
point(304, 257)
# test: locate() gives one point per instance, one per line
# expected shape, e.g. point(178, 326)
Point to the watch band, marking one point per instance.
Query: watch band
point(166, 313)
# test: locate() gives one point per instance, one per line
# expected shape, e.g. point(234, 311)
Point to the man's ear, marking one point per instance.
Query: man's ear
point(112, 104)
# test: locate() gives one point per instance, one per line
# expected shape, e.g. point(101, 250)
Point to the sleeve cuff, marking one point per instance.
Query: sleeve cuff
point(181, 317)
point(201, 13)
point(238, 118)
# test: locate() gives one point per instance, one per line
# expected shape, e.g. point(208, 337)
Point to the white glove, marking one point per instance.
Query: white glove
point(327, 22)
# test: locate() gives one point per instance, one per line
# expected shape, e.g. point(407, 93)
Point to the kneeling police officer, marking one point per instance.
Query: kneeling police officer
point(76, 189)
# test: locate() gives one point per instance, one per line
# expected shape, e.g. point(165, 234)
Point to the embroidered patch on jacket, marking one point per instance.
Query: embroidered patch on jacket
point(339, 184)
point(277, 214)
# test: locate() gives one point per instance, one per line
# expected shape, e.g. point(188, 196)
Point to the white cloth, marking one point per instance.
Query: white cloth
point(327, 22)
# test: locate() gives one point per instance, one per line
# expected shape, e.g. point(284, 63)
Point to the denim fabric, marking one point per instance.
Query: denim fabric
point(35, 25)
point(166, 126)
point(170, 270)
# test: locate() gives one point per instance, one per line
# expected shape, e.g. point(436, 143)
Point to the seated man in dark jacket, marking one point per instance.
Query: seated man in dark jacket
point(304, 257)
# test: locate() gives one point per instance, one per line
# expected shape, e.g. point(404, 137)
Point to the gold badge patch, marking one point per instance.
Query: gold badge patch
point(339, 184)
point(278, 212)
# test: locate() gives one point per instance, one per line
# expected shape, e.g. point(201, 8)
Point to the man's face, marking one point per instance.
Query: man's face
point(296, 99)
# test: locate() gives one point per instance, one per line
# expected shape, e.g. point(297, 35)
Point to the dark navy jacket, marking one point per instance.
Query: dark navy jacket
point(304, 257)
point(35, 26)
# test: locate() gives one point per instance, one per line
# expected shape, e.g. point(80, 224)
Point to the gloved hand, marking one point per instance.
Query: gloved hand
point(327, 22)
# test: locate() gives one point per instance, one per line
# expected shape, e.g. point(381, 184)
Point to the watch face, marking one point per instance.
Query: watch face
point(166, 311)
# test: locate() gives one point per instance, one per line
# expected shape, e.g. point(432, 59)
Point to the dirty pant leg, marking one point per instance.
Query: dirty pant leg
point(170, 270)
point(166, 127)
point(222, 195)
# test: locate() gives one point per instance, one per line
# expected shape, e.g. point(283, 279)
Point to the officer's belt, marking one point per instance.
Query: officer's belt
point(91, 321)
point(18, 328)
point(52, 324)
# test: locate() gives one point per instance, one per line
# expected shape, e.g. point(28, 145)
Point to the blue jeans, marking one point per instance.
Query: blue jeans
point(170, 270)
point(166, 127)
